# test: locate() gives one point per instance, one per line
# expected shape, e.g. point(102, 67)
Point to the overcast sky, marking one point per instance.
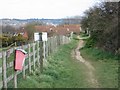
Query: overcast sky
point(24, 9)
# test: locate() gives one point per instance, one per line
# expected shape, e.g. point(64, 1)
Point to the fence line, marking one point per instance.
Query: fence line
point(37, 53)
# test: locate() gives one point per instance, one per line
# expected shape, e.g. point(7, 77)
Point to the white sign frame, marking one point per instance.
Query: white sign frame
point(44, 36)
point(36, 36)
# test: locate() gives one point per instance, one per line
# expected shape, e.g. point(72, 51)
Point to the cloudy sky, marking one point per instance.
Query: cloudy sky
point(23, 9)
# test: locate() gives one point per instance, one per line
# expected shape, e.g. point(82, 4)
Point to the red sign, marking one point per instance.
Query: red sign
point(19, 59)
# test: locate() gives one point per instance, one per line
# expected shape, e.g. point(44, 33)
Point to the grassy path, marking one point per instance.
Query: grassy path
point(61, 71)
point(67, 68)
point(89, 68)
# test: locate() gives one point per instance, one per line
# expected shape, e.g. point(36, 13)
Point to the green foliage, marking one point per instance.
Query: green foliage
point(30, 28)
point(99, 54)
point(19, 39)
point(102, 21)
point(7, 41)
point(84, 35)
point(90, 43)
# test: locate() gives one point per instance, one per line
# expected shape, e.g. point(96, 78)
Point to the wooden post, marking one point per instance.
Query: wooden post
point(44, 51)
point(23, 67)
point(34, 56)
point(15, 73)
point(53, 45)
point(4, 70)
point(48, 47)
point(15, 79)
point(61, 39)
point(48, 43)
point(41, 57)
point(38, 48)
point(24, 71)
point(29, 58)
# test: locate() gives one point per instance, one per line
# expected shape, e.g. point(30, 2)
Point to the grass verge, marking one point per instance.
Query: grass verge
point(106, 66)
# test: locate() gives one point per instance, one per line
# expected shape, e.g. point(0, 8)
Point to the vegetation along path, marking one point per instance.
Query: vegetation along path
point(74, 66)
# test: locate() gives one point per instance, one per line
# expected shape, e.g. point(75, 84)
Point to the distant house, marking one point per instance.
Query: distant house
point(47, 28)
point(60, 29)
point(66, 29)
point(22, 32)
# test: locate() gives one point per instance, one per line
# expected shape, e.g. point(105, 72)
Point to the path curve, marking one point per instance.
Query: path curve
point(90, 68)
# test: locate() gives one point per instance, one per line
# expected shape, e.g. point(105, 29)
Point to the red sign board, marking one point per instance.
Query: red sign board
point(19, 59)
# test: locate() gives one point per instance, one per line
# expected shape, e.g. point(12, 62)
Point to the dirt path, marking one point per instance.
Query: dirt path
point(90, 69)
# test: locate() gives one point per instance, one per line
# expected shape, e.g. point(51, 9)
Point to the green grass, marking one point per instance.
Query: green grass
point(61, 71)
point(106, 66)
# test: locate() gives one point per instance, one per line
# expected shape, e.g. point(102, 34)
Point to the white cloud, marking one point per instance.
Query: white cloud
point(43, 8)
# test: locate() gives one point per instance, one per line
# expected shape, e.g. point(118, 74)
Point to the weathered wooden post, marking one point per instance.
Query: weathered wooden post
point(15, 73)
point(44, 51)
point(38, 55)
point(50, 44)
point(15, 79)
point(23, 66)
point(40, 51)
point(4, 69)
point(41, 56)
point(29, 58)
point(33, 55)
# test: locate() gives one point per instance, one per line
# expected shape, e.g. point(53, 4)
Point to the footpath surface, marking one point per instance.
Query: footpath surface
point(89, 68)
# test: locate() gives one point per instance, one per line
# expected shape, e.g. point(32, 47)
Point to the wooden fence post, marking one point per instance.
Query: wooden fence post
point(44, 50)
point(38, 49)
point(53, 44)
point(15, 75)
point(50, 45)
point(15, 79)
point(29, 58)
point(23, 67)
point(34, 56)
point(4, 70)
point(61, 39)
point(41, 57)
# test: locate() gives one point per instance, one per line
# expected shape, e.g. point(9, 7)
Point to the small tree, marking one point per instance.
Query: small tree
point(30, 28)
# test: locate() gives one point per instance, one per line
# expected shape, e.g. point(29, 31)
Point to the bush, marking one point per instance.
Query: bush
point(90, 43)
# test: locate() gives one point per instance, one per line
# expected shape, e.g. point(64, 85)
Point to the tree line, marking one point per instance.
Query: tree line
point(102, 22)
